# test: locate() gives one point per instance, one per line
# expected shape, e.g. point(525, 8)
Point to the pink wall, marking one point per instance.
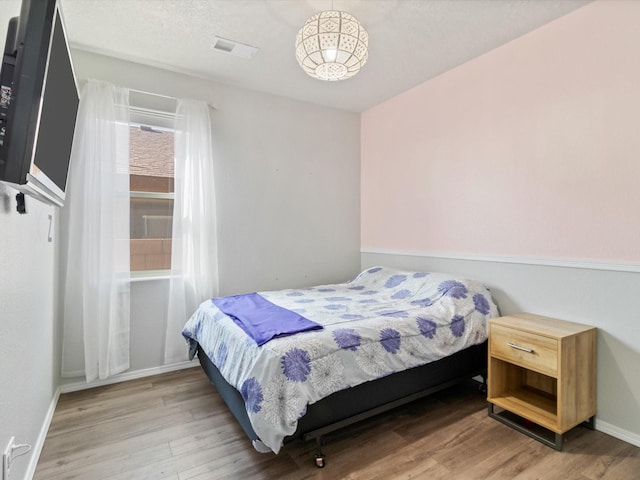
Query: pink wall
point(532, 149)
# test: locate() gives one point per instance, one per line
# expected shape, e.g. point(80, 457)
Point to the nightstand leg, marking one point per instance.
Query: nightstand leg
point(590, 423)
point(558, 443)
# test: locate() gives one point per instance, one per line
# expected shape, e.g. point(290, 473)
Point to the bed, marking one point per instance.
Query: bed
point(342, 353)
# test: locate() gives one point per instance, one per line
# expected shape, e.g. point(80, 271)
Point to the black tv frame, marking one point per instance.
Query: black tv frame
point(40, 103)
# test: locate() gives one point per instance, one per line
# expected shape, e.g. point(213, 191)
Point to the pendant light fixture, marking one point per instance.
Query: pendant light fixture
point(332, 45)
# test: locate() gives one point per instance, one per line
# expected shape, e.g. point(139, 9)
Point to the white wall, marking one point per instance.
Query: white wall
point(29, 352)
point(288, 201)
point(29, 330)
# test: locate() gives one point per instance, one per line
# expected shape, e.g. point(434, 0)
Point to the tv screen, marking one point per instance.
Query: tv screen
point(40, 103)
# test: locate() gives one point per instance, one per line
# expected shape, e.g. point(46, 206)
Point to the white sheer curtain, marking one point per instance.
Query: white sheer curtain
point(96, 214)
point(194, 256)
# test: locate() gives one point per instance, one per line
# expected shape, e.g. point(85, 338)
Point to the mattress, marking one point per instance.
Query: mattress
point(383, 321)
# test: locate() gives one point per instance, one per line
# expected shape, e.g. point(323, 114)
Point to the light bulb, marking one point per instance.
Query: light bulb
point(331, 54)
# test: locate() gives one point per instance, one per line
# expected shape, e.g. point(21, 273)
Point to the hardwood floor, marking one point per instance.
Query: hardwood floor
point(175, 426)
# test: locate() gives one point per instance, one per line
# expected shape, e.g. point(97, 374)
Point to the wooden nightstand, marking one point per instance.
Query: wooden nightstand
point(542, 373)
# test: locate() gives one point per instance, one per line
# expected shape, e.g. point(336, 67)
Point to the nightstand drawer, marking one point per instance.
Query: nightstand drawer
point(529, 350)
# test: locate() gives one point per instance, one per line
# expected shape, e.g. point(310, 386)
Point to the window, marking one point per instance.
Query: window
point(151, 163)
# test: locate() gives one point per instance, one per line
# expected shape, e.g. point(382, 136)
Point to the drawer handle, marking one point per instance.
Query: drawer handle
point(518, 347)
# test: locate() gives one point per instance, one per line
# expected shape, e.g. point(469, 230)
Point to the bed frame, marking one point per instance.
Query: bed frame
point(354, 404)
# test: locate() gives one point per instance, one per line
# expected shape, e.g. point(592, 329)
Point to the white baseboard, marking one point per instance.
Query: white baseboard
point(123, 377)
point(37, 448)
point(76, 386)
point(601, 426)
point(619, 433)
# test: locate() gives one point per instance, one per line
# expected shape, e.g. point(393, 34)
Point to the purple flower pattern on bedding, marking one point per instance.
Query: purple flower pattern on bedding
point(390, 340)
point(335, 306)
point(457, 325)
point(220, 357)
point(423, 302)
point(383, 321)
point(296, 365)
point(395, 280)
point(401, 294)
point(453, 288)
point(347, 338)
point(427, 327)
point(481, 304)
point(251, 392)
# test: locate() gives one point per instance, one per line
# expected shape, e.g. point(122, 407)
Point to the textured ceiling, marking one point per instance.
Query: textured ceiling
point(410, 40)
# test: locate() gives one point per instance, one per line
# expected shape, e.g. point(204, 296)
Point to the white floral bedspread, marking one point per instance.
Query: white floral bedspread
point(381, 322)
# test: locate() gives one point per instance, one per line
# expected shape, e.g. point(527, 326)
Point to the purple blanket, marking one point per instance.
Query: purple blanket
point(261, 319)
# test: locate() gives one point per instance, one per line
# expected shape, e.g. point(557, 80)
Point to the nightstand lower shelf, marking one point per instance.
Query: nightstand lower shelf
point(531, 429)
point(533, 404)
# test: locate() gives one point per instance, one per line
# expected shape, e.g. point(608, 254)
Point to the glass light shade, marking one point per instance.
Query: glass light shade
point(332, 45)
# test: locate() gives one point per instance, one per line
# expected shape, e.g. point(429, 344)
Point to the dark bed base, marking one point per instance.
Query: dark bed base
point(357, 403)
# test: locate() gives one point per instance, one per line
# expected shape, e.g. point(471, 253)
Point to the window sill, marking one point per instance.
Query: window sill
point(150, 275)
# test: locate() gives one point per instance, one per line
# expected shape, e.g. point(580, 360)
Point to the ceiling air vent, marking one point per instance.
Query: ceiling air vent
point(234, 48)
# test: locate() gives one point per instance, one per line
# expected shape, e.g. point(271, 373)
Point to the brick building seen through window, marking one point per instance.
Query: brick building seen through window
point(151, 166)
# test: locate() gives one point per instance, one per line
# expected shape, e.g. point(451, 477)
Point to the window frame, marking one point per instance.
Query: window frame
point(139, 275)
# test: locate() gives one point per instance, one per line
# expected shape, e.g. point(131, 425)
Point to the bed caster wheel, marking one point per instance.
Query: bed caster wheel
point(320, 461)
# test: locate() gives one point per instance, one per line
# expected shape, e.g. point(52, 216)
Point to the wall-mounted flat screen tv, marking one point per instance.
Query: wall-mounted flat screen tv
point(39, 103)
